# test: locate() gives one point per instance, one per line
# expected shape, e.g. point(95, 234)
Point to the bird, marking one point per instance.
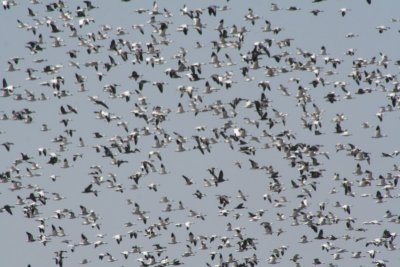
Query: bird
point(89, 189)
point(343, 11)
point(159, 85)
point(7, 145)
point(188, 181)
point(84, 241)
point(118, 238)
point(7, 208)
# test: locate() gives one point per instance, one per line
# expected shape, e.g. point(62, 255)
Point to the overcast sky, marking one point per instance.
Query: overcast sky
point(305, 31)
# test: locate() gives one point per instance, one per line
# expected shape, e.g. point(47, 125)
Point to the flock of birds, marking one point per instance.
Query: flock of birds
point(99, 121)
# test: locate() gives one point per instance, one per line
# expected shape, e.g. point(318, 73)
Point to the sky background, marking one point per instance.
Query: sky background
point(308, 32)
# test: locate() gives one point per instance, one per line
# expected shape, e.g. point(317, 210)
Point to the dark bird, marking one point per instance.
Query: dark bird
point(7, 208)
point(188, 181)
point(89, 189)
point(7, 145)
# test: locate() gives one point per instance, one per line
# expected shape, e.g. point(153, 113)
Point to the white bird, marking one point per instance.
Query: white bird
point(343, 11)
point(382, 28)
point(189, 252)
point(274, 7)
